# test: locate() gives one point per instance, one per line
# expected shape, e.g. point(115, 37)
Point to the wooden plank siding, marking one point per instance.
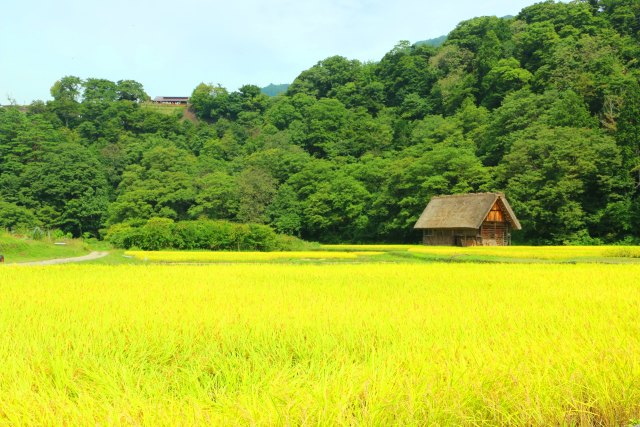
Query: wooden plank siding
point(451, 237)
point(495, 233)
point(495, 214)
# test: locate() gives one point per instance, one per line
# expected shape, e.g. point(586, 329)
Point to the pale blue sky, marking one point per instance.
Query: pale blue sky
point(171, 46)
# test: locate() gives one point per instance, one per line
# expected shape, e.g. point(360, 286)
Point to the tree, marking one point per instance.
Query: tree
point(324, 123)
point(628, 134)
point(99, 91)
point(533, 45)
point(256, 188)
point(326, 77)
point(337, 210)
point(66, 94)
point(590, 66)
point(561, 181)
point(201, 100)
point(67, 189)
point(210, 102)
point(14, 217)
point(506, 76)
point(406, 70)
point(281, 161)
point(216, 197)
point(162, 185)
point(522, 109)
point(285, 211)
point(131, 90)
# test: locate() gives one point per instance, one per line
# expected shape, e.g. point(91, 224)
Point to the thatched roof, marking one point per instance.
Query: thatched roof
point(463, 211)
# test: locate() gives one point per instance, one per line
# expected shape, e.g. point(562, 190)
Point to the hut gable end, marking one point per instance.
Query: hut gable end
point(495, 214)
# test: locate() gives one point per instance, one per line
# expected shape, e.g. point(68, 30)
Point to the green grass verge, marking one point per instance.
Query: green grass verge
point(115, 257)
point(168, 109)
point(18, 249)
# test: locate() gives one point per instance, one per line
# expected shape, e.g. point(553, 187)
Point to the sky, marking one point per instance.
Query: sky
point(172, 46)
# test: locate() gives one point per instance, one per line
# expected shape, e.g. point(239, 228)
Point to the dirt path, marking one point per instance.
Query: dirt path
point(91, 256)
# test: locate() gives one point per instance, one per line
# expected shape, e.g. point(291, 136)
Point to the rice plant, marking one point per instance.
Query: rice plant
point(339, 344)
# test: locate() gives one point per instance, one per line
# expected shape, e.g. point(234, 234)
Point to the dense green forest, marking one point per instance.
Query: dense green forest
point(544, 106)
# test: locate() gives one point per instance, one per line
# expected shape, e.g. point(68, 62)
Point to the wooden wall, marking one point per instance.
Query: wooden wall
point(450, 237)
point(491, 233)
point(495, 233)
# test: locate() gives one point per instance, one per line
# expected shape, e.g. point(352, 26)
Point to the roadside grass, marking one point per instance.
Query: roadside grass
point(20, 249)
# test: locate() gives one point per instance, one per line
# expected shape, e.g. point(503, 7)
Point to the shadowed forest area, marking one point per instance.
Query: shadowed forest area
point(543, 106)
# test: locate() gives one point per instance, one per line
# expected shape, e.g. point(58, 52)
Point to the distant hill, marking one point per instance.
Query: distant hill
point(273, 90)
point(433, 42)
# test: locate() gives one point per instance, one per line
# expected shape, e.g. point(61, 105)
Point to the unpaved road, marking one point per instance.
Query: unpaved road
point(91, 256)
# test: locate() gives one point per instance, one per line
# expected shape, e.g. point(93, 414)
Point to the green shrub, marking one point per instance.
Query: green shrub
point(292, 243)
point(124, 236)
point(190, 235)
point(260, 238)
point(163, 233)
point(582, 238)
point(158, 233)
point(224, 236)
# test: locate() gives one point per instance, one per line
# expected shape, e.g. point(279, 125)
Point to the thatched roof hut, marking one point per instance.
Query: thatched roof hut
point(468, 220)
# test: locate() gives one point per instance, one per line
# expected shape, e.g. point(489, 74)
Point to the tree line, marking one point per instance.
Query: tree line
point(543, 106)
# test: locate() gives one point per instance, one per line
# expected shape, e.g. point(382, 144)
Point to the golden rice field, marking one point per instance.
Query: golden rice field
point(408, 252)
point(212, 256)
point(557, 253)
point(534, 252)
point(363, 248)
point(314, 344)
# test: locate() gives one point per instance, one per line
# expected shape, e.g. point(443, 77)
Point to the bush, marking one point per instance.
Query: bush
point(158, 233)
point(291, 243)
point(260, 237)
point(191, 235)
point(163, 233)
point(123, 236)
point(582, 238)
point(224, 236)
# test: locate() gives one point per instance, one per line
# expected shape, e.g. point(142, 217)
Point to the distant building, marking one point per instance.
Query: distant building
point(476, 219)
point(171, 99)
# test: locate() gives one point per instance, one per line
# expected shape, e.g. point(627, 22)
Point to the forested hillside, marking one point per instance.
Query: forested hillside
point(437, 42)
point(543, 106)
point(273, 90)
